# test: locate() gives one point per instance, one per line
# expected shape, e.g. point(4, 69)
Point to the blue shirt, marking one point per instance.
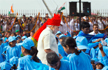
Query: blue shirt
point(79, 62)
point(65, 65)
point(61, 50)
point(103, 60)
point(94, 53)
point(1, 52)
point(12, 51)
point(5, 43)
point(25, 63)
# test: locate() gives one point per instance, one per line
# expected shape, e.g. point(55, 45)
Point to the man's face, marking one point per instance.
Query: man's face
point(55, 28)
point(95, 28)
point(86, 30)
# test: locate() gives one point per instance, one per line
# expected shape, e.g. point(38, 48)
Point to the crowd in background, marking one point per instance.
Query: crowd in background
point(71, 24)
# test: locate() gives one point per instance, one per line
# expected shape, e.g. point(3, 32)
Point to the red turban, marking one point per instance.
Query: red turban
point(54, 21)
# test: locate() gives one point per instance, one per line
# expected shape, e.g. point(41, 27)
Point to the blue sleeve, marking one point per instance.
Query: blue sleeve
point(105, 60)
point(65, 58)
point(92, 53)
point(73, 64)
point(7, 56)
point(19, 53)
point(20, 65)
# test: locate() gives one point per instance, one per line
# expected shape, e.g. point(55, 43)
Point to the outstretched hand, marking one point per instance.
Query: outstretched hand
point(60, 56)
point(100, 46)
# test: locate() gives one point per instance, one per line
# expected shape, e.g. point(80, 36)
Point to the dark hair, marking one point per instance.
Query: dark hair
point(71, 44)
point(52, 58)
point(33, 52)
point(100, 64)
point(69, 41)
point(14, 67)
point(95, 25)
point(85, 25)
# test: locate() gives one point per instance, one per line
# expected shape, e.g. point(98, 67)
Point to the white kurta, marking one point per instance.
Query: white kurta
point(46, 40)
point(101, 26)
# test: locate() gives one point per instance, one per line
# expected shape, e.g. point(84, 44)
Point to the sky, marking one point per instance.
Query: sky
point(37, 5)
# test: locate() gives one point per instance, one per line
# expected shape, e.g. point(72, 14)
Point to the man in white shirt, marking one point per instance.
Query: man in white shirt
point(72, 24)
point(47, 41)
point(95, 30)
point(101, 24)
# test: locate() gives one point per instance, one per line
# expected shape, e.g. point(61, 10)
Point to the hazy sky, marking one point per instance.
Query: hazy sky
point(52, 4)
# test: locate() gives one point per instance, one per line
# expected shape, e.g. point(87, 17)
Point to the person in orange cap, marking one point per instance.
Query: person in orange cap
point(46, 39)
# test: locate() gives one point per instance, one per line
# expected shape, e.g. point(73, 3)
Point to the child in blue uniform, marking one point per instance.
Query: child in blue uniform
point(12, 49)
point(78, 59)
point(23, 38)
point(30, 60)
point(1, 50)
point(103, 55)
point(14, 62)
point(60, 48)
point(55, 62)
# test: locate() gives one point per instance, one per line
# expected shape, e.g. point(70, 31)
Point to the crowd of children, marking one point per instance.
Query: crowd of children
point(81, 52)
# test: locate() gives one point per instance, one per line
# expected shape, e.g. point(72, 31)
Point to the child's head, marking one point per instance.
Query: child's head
point(17, 32)
point(82, 43)
point(24, 37)
point(85, 27)
point(99, 65)
point(68, 44)
point(58, 34)
point(29, 49)
point(61, 37)
point(53, 60)
point(18, 39)
point(12, 41)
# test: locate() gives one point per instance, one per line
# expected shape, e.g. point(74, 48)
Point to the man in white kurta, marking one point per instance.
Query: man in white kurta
point(46, 41)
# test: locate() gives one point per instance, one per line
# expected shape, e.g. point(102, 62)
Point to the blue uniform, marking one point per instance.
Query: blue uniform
point(61, 50)
point(5, 43)
point(65, 65)
point(105, 68)
point(68, 34)
point(79, 62)
point(12, 51)
point(103, 60)
point(5, 66)
point(25, 63)
point(1, 52)
point(94, 53)
point(91, 37)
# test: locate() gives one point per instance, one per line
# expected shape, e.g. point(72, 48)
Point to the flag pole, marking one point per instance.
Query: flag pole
point(47, 8)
